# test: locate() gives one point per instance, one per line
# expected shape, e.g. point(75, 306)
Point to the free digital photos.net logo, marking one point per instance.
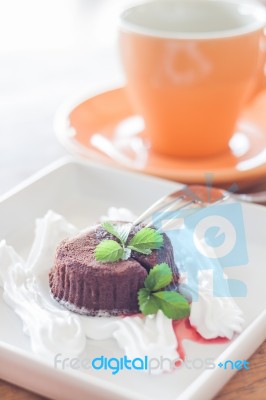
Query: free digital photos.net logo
point(142, 364)
point(208, 238)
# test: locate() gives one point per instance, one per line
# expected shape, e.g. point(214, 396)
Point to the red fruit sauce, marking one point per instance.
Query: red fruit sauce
point(184, 331)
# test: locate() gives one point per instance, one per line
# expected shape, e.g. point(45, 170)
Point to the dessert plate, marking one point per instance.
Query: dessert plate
point(104, 128)
point(82, 191)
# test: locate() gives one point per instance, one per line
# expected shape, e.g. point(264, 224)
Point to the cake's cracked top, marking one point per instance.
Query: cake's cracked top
point(88, 286)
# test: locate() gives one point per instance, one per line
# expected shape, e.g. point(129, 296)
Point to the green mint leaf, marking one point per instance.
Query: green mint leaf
point(147, 303)
point(108, 251)
point(109, 228)
point(159, 277)
point(146, 239)
point(120, 231)
point(142, 251)
point(172, 304)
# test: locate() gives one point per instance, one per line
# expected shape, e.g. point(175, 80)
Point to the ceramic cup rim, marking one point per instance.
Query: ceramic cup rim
point(258, 10)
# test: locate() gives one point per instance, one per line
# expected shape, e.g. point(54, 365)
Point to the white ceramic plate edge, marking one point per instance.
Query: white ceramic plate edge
point(38, 376)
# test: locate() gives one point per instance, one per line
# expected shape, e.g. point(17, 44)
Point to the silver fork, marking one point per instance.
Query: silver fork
point(193, 196)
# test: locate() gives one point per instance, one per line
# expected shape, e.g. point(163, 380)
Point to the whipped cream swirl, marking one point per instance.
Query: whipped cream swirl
point(211, 315)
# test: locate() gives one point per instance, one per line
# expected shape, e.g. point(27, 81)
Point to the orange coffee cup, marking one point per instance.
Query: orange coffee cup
point(191, 66)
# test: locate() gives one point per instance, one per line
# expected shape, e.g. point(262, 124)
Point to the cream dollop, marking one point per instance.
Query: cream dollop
point(138, 336)
point(26, 290)
point(211, 315)
point(118, 214)
point(52, 328)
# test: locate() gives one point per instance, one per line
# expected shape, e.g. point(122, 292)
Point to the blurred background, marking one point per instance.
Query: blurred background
point(49, 51)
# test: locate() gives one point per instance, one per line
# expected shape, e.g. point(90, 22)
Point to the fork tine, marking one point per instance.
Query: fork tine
point(189, 195)
point(192, 206)
point(160, 205)
point(169, 209)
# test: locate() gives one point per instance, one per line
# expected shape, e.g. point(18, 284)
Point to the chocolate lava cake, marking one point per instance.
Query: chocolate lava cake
point(87, 286)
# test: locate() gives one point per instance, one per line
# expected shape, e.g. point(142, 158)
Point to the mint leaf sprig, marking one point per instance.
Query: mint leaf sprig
point(120, 231)
point(151, 298)
point(144, 241)
point(108, 251)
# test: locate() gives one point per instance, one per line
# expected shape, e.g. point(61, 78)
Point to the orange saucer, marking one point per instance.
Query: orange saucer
point(110, 113)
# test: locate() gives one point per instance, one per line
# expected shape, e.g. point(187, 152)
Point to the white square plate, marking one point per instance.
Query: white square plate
point(82, 192)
